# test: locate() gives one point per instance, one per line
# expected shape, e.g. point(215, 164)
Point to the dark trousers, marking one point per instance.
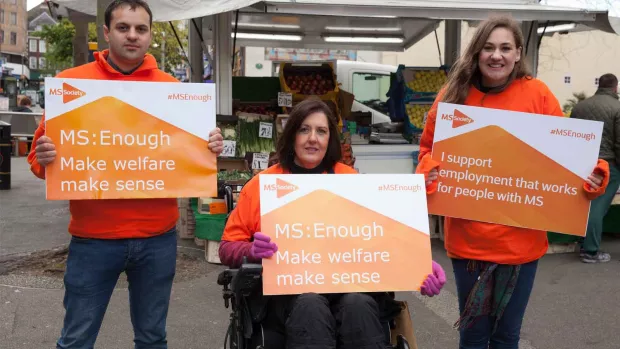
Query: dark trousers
point(93, 268)
point(313, 321)
point(598, 209)
point(509, 328)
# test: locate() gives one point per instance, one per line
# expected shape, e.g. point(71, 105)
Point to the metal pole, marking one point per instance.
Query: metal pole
point(101, 7)
point(223, 57)
point(195, 50)
point(452, 41)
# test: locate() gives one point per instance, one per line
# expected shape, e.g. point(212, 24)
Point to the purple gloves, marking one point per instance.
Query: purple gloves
point(434, 282)
point(262, 247)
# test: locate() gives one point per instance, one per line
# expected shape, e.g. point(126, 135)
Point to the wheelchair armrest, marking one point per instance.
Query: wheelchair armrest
point(225, 277)
point(247, 278)
point(239, 283)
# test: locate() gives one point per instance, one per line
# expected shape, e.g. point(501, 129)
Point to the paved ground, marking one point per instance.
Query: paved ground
point(27, 221)
point(573, 306)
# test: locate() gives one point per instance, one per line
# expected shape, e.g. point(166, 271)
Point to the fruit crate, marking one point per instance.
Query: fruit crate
point(417, 113)
point(331, 103)
point(423, 83)
point(309, 79)
point(260, 107)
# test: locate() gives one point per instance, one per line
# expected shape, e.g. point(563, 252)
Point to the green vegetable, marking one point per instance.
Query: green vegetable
point(233, 175)
point(249, 140)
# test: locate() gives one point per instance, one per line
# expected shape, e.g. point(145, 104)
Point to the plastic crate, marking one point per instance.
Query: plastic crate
point(208, 226)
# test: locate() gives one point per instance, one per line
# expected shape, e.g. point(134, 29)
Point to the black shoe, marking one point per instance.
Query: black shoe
point(401, 342)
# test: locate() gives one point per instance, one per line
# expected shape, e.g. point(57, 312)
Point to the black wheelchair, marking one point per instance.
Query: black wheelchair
point(241, 285)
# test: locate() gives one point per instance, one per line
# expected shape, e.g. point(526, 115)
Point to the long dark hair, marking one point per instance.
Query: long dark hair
point(466, 72)
point(285, 150)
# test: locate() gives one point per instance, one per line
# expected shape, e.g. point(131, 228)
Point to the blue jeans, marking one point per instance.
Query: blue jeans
point(93, 268)
point(509, 328)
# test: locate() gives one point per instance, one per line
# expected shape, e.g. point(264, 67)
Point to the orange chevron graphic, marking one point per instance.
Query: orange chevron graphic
point(284, 188)
point(70, 93)
point(366, 265)
point(460, 119)
point(165, 170)
point(531, 207)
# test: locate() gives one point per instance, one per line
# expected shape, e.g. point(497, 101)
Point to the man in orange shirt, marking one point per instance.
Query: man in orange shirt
point(109, 237)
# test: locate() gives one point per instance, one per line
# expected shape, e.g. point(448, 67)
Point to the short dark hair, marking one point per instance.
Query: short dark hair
point(607, 81)
point(286, 144)
point(133, 4)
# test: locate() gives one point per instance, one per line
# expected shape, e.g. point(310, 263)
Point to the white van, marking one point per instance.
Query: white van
point(369, 83)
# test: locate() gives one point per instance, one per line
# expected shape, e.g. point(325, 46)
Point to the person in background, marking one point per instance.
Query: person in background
point(309, 145)
point(604, 106)
point(494, 259)
point(24, 103)
point(109, 237)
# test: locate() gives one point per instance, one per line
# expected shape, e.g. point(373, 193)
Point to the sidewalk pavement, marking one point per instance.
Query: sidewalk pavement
point(573, 305)
point(28, 222)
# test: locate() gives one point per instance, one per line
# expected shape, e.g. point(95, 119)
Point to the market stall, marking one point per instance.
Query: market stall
point(244, 111)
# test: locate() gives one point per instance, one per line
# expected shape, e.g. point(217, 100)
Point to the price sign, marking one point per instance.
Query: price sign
point(260, 161)
point(229, 149)
point(265, 130)
point(285, 99)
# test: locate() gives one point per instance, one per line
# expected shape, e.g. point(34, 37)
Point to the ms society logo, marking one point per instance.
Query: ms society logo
point(281, 188)
point(458, 119)
point(68, 92)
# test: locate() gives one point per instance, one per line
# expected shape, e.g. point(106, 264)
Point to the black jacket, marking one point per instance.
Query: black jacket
point(603, 106)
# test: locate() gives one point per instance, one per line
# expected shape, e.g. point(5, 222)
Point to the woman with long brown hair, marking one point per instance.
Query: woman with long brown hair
point(309, 144)
point(494, 265)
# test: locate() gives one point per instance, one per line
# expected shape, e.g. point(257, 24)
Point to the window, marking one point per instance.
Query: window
point(567, 79)
point(33, 63)
point(1, 16)
point(13, 38)
point(33, 45)
point(13, 18)
point(41, 62)
point(42, 46)
point(369, 87)
point(1, 36)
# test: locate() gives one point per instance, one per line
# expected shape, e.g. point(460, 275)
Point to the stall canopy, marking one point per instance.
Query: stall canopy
point(168, 10)
point(377, 25)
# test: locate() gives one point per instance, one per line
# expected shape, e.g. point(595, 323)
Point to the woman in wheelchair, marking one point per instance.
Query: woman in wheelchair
point(309, 144)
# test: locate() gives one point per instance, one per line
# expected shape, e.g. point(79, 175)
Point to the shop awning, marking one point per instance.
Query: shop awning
point(392, 25)
point(169, 10)
point(525, 10)
point(437, 9)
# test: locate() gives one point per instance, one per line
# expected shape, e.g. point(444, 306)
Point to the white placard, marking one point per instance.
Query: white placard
point(367, 231)
point(285, 99)
point(229, 149)
point(265, 130)
point(260, 161)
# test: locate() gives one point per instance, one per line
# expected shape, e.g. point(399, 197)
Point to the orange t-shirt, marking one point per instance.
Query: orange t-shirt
point(486, 241)
point(114, 219)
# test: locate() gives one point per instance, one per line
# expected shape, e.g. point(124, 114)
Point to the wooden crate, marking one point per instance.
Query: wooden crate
point(186, 225)
point(562, 248)
point(199, 242)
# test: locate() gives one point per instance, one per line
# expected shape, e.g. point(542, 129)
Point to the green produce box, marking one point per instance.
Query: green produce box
point(208, 226)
